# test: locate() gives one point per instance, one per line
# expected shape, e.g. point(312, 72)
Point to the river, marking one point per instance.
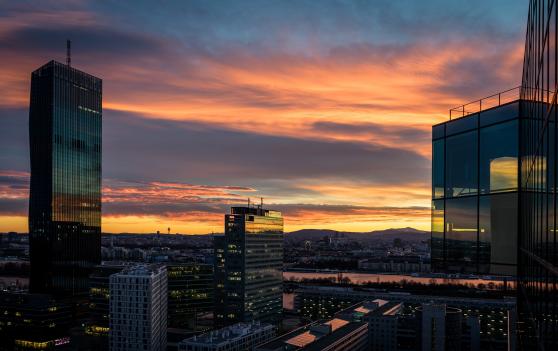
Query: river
point(362, 278)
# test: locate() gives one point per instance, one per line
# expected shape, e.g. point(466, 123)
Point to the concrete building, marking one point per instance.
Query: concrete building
point(383, 326)
point(138, 309)
point(236, 337)
point(440, 327)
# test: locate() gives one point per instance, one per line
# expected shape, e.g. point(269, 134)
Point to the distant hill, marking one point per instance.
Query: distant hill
point(406, 234)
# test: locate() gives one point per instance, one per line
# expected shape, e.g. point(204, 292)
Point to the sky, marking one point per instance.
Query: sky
point(322, 108)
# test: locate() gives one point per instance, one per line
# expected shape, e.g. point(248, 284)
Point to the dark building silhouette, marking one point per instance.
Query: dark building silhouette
point(190, 300)
point(65, 118)
point(33, 322)
point(538, 250)
point(249, 266)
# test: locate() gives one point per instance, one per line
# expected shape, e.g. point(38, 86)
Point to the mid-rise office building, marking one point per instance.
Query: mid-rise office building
point(235, 337)
point(249, 266)
point(138, 309)
point(475, 172)
point(65, 116)
point(190, 296)
point(97, 326)
point(33, 321)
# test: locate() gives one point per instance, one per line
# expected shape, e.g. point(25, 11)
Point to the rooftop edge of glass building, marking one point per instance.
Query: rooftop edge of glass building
point(475, 189)
point(65, 117)
point(538, 251)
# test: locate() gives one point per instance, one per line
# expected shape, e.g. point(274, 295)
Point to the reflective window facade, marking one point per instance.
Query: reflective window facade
point(538, 254)
point(190, 300)
point(249, 267)
point(474, 192)
point(65, 117)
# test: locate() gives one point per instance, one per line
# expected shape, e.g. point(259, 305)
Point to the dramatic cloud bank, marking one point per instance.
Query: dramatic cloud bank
point(324, 109)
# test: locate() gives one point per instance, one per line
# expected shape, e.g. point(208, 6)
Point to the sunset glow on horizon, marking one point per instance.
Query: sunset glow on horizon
point(323, 109)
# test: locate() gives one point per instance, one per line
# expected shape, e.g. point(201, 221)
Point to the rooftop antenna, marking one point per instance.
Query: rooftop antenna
point(248, 202)
point(261, 202)
point(68, 52)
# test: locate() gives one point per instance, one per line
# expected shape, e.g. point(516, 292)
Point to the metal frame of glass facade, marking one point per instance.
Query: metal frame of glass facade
point(474, 192)
point(65, 117)
point(538, 254)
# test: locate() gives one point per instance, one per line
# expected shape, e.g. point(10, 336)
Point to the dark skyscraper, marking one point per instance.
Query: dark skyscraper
point(249, 267)
point(65, 118)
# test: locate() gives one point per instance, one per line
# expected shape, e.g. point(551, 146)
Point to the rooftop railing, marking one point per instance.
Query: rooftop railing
point(495, 100)
point(499, 99)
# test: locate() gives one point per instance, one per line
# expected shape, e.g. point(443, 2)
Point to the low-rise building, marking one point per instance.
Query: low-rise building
point(347, 331)
point(236, 337)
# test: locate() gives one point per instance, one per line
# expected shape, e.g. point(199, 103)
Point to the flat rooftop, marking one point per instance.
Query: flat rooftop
point(227, 334)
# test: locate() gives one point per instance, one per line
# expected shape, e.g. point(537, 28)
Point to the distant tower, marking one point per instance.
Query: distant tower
point(68, 53)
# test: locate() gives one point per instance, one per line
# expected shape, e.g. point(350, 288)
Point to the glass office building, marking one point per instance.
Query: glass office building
point(190, 300)
point(249, 267)
point(65, 194)
point(538, 250)
point(475, 192)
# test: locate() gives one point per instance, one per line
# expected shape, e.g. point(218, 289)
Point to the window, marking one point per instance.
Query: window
point(498, 164)
point(437, 252)
point(461, 164)
point(500, 114)
point(438, 169)
point(498, 233)
point(461, 234)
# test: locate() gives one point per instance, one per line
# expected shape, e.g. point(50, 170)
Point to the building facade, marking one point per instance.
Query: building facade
point(33, 321)
point(440, 327)
point(236, 337)
point(249, 267)
point(65, 116)
point(475, 170)
point(190, 296)
point(538, 259)
point(138, 309)
point(97, 326)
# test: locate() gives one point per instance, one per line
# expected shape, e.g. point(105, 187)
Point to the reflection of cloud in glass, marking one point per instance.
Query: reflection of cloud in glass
point(503, 174)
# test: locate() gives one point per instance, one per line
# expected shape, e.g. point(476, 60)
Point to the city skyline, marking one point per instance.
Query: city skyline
point(191, 107)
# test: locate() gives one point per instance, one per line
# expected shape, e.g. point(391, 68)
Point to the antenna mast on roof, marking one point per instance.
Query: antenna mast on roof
point(68, 52)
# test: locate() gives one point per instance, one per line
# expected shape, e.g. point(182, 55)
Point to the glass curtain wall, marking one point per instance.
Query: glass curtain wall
point(474, 192)
point(538, 258)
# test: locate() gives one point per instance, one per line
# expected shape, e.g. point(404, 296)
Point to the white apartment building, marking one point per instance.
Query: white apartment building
point(138, 309)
